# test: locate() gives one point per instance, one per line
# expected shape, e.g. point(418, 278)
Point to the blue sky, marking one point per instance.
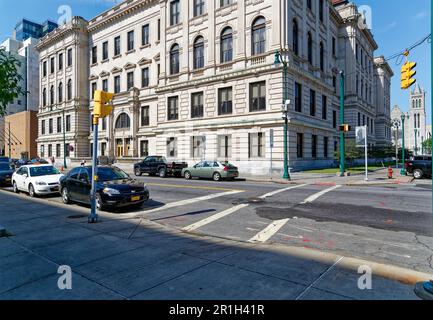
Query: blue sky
point(396, 25)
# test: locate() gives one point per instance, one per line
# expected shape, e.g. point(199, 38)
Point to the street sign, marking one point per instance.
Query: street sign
point(361, 133)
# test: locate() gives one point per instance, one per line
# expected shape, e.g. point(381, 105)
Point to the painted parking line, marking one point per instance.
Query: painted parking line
point(181, 186)
point(188, 201)
point(214, 217)
point(273, 193)
point(317, 195)
point(269, 231)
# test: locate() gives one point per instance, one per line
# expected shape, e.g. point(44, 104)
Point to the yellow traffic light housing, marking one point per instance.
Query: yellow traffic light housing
point(345, 128)
point(102, 108)
point(407, 74)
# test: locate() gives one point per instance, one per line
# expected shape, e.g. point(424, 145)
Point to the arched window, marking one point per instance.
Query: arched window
point(322, 57)
point(60, 92)
point(52, 95)
point(258, 36)
point(226, 45)
point(174, 59)
point(310, 47)
point(295, 40)
point(198, 54)
point(44, 97)
point(69, 90)
point(123, 121)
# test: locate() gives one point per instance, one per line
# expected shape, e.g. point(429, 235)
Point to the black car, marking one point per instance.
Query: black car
point(419, 166)
point(157, 165)
point(114, 188)
point(6, 171)
point(5, 159)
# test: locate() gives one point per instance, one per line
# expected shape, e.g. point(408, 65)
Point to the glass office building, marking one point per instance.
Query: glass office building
point(26, 29)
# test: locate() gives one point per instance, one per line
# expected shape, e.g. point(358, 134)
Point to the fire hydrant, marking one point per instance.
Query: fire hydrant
point(390, 172)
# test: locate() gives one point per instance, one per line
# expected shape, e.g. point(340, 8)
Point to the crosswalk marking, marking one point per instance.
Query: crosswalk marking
point(317, 195)
point(190, 201)
point(273, 193)
point(215, 217)
point(269, 231)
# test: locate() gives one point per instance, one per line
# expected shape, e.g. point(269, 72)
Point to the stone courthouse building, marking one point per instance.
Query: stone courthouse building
point(196, 79)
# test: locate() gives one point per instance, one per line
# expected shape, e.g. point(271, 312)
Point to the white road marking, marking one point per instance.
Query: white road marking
point(317, 195)
point(270, 194)
point(269, 231)
point(289, 236)
point(303, 229)
point(189, 201)
point(213, 218)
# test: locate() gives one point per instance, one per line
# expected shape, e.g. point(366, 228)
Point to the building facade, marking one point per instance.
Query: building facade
point(20, 131)
point(197, 79)
point(416, 129)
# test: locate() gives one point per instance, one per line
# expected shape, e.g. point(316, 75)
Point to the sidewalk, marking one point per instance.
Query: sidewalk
point(122, 258)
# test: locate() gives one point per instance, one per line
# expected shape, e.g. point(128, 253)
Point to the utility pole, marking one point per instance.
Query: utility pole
point(64, 141)
point(342, 142)
point(415, 149)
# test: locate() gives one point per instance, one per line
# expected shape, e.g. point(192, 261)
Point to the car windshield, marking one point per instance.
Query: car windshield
point(43, 171)
point(109, 174)
point(6, 166)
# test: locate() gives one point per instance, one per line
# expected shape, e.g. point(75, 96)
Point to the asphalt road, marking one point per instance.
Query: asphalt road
point(389, 224)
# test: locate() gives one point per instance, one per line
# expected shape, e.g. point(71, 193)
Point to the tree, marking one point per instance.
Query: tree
point(427, 145)
point(10, 79)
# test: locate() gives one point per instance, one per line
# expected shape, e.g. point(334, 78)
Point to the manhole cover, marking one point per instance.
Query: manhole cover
point(78, 216)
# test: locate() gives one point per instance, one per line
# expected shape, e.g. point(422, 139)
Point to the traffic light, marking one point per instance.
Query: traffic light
point(101, 107)
point(345, 128)
point(407, 74)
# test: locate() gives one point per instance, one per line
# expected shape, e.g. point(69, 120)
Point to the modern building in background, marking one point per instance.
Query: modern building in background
point(28, 29)
point(416, 129)
point(198, 79)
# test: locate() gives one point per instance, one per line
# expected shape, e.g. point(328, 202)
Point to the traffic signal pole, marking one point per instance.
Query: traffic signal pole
point(342, 142)
point(93, 215)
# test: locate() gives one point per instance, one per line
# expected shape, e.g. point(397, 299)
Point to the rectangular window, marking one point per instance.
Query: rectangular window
point(104, 124)
point(59, 124)
point(300, 145)
point(145, 35)
point(105, 85)
point(298, 97)
point(130, 80)
point(58, 150)
point(225, 102)
point(50, 150)
point(172, 111)
point(225, 146)
point(93, 89)
point(325, 147)
point(52, 65)
point(324, 107)
point(105, 50)
point(103, 148)
point(131, 40)
point(60, 61)
point(197, 105)
point(159, 29)
point(69, 57)
point(359, 119)
point(225, 2)
point(144, 148)
point(42, 151)
point(257, 145)
point(314, 146)
point(43, 127)
point(172, 148)
point(258, 96)
point(50, 126)
point(68, 123)
point(174, 12)
point(44, 68)
point(312, 103)
point(145, 77)
point(334, 119)
point(198, 8)
point(145, 118)
point(116, 84)
point(117, 46)
point(334, 46)
point(198, 147)
point(94, 55)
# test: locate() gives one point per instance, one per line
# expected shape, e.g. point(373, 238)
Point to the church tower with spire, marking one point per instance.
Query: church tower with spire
point(416, 123)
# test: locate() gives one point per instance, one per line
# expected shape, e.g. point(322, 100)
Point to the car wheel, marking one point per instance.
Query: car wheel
point(65, 196)
point(216, 176)
point(187, 175)
point(14, 184)
point(137, 172)
point(99, 205)
point(32, 192)
point(162, 173)
point(418, 174)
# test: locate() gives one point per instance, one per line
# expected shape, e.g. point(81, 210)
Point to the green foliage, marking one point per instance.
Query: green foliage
point(10, 88)
point(427, 145)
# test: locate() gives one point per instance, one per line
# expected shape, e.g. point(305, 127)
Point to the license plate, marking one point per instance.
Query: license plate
point(8, 179)
point(136, 198)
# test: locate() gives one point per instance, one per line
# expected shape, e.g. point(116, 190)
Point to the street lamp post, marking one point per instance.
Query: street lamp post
point(396, 125)
point(415, 149)
point(403, 170)
point(279, 60)
point(342, 142)
point(64, 141)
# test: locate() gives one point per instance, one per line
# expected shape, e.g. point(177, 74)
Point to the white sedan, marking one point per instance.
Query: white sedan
point(37, 180)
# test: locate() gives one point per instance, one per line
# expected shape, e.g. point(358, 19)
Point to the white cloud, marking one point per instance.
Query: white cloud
point(421, 14)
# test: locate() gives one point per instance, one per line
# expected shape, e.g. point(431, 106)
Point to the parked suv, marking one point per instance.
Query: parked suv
point(156, 165)
point(419, 166)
